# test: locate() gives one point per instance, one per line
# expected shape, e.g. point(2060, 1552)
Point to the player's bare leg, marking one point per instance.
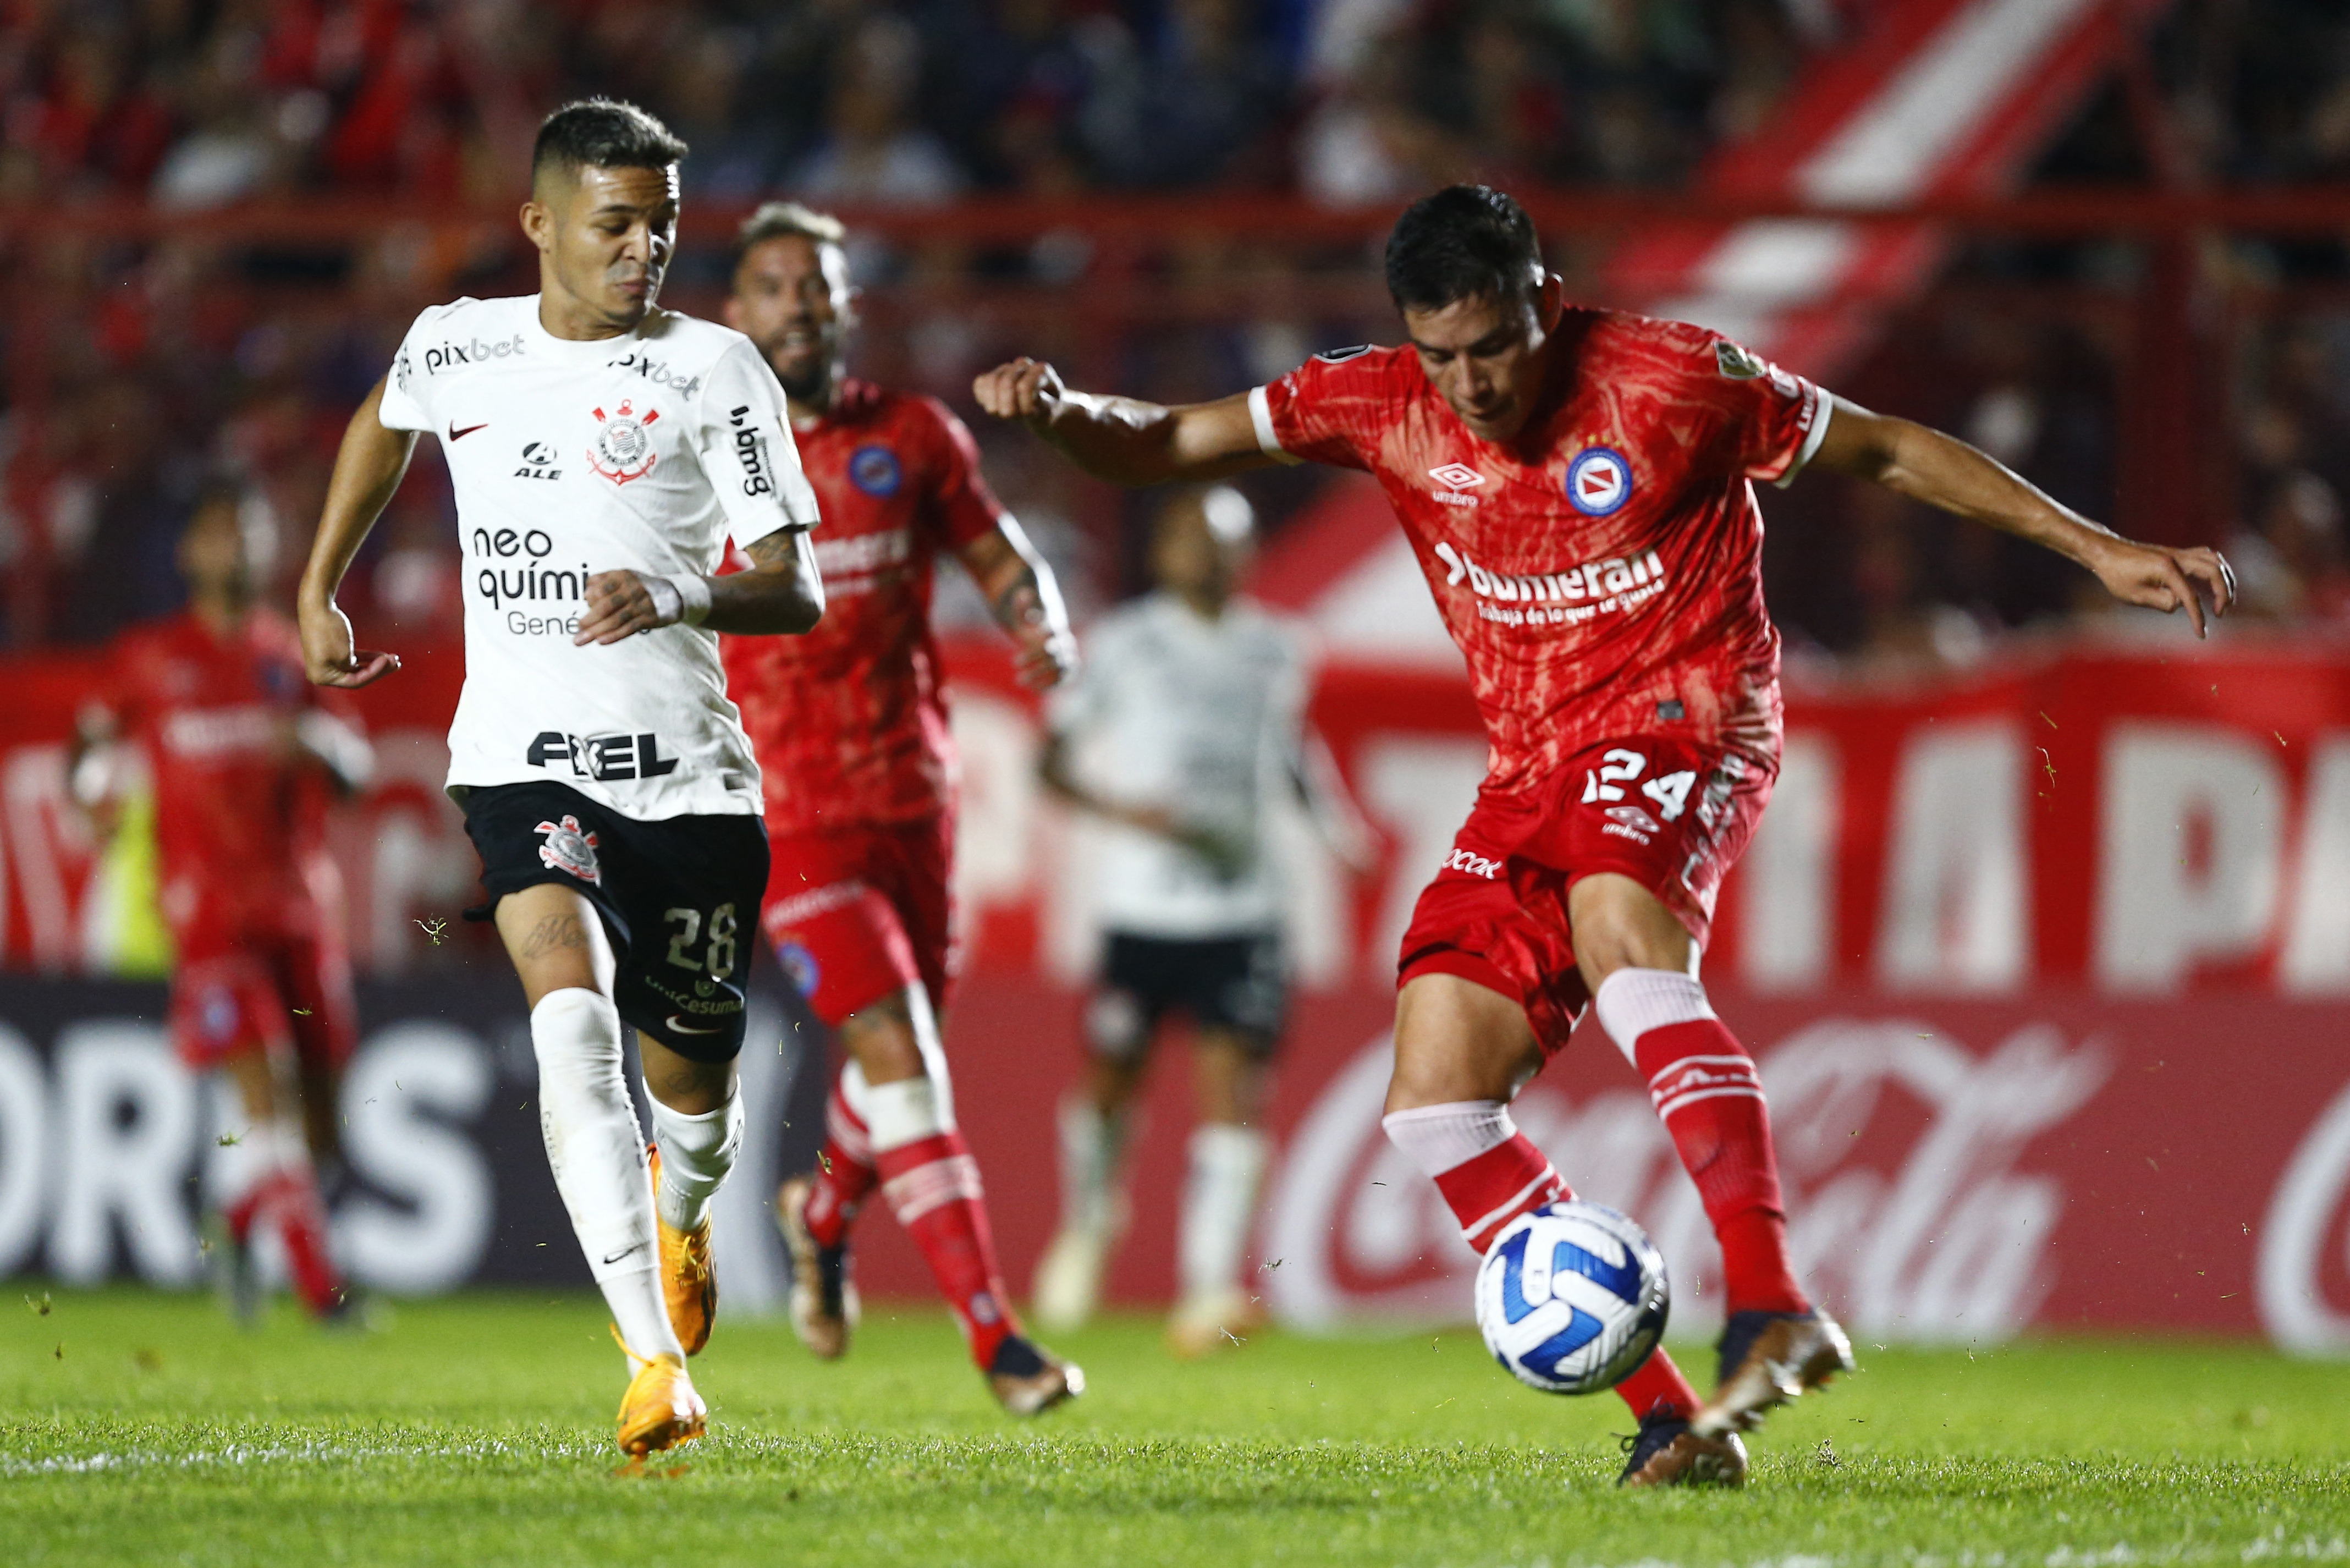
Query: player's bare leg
point(931, 1184)
point(264, 1175)
point(1095, 1124)
point(596, 1149)
point(1462, 1051)
point(1228, 1157)
point(1640, 965)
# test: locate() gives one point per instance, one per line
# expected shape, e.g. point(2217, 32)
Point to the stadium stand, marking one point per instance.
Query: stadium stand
point(240, 206)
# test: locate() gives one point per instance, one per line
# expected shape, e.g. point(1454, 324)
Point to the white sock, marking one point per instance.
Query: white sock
point(1091, 1145)
point(897, 1113)
point(1438, 1137)
point(1631, 1002)
point(1218, 1205)
point(598, 1154)
point(696, 1154)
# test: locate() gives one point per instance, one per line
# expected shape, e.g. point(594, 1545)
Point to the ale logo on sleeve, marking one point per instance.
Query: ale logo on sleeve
point(1598, 481)
point(624, 447)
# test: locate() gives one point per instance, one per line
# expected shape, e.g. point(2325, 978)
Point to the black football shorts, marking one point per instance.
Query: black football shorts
point(1236, 983)
point(679, 899)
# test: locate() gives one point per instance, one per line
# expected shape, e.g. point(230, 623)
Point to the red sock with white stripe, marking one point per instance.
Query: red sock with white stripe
point(845, 1173)
point(264, 1176)
point(1704, 1085)
point(931, 1184)
point(1490, 1173)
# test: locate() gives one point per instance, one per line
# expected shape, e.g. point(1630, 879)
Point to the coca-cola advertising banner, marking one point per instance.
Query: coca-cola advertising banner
point(2047, 969)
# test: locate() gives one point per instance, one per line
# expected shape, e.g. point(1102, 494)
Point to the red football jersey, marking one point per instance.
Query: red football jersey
point(240, 814)
point(849, 721)
point(1603, 573)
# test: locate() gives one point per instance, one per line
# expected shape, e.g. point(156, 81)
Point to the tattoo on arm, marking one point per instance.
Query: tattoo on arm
point(1021, 604)
point(552, 933)
point(774, 549)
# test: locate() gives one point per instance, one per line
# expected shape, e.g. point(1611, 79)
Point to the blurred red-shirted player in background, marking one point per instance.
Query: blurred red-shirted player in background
point(1577, 485)
point(850, 727)
point(245, 752)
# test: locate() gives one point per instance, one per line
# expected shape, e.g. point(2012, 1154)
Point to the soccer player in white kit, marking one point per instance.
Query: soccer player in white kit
point(1180, 730)
point(602, 452)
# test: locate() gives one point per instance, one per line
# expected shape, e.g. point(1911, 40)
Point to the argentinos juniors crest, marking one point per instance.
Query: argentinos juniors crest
point(624, 445)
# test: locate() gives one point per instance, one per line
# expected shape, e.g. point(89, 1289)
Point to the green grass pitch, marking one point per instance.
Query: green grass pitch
point(135, 1428)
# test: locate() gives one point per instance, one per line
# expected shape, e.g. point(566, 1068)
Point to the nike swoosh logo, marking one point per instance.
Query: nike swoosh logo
point(623, 1252)
point(456, 434)
point(672, 1022)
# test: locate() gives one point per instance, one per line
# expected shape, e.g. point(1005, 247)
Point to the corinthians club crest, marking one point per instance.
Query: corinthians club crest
point(624, 447)
point(569, 850)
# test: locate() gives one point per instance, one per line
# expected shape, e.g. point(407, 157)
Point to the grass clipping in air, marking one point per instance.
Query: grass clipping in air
point(478, 1430)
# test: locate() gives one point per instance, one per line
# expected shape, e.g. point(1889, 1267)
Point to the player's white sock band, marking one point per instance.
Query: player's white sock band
point(598, 1154)
point(1219, 1203)
point(1631, 1002)
point(1091, 1145)
point(696, 1153)
point(901, 1112)
point(1438, 1137)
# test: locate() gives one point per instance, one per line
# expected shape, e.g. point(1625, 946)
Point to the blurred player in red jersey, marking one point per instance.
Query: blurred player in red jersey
point(1577, 486)
point(850, 727)
point(244, 754)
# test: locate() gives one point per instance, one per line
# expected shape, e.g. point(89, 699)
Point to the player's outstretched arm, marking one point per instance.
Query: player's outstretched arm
point(367, 471)
point(1019, 586)
point(781, 595)
point(1124, 440)
point(1944, 472)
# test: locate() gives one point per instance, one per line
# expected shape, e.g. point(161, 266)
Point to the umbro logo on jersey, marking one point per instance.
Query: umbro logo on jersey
point(448, 356)
point(624, 445)
point(537, 462)
point(1456, 477)
point(602, 757)
point(570, 850)
point(1598, 482)
point(456, 434)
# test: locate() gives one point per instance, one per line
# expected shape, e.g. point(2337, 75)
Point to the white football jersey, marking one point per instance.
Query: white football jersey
point(1206, 719)
point(642, 452)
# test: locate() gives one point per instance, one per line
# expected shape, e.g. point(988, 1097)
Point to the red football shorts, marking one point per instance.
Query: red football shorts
point(1669, 813)
point(857, 914)
point(277, 991)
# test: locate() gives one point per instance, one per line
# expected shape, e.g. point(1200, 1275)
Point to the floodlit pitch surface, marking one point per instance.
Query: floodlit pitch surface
point(478, 1431)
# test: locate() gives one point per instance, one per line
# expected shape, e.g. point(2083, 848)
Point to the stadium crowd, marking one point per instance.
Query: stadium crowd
point(146, 368)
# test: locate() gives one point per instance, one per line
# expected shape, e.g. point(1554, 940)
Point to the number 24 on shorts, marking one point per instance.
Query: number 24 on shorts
point(1619, 767)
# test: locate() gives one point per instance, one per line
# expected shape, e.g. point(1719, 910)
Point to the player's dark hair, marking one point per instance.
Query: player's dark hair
point(602, 133)
point(1465, 242)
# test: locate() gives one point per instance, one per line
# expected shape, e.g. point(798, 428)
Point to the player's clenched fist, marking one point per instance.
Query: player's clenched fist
point(1023, 389)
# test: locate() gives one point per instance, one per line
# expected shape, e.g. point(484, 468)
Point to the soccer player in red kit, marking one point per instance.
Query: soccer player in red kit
point(1577, 485)
point(850, 727)
point(244, 755)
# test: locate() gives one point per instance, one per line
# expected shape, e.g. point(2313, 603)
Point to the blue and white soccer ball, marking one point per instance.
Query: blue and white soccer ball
point(1572, 1297)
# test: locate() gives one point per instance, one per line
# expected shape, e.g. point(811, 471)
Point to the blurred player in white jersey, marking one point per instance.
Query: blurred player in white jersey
point(1185, 723)
point(602, 451)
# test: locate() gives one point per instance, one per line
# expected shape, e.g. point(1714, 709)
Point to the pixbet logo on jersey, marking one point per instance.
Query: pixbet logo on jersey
point(657, 373)
point(1598, 482)
point(624, 443)
point(448, 356)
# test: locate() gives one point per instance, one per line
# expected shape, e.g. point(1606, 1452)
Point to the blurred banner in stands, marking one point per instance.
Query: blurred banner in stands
point(2047, 965)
